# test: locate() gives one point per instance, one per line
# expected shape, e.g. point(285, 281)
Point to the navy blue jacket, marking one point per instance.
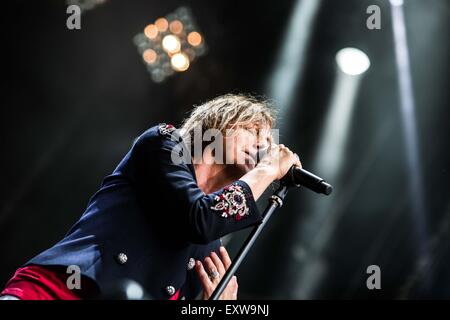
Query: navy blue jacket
point(149, 221)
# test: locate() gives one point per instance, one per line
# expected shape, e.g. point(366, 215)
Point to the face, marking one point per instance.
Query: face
point(244, 146)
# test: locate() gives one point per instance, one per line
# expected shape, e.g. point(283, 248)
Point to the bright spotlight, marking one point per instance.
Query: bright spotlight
point(162, 24)
point(149, 56)
point(396, 2)
point(288, 71)
point(352, 61)
point(176, 26)
point(151, 31)
point(194, 38)
point(171, 43)
point(134, 292)
point(180, 62)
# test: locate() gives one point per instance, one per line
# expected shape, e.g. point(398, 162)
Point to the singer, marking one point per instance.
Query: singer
point(158, 217)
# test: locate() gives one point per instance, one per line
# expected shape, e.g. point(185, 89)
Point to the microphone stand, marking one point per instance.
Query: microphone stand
point(275, 201)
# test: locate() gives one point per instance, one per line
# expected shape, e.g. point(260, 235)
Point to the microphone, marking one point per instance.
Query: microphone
point(300, 177)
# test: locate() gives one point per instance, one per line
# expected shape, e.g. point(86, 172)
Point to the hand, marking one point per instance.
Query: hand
point(278, 160)
point(215, 269)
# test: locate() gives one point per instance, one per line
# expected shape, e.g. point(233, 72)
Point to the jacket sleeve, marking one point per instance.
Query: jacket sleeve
point(207, 216)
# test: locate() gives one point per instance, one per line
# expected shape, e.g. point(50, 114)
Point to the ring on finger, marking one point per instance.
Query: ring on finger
point(213, 274)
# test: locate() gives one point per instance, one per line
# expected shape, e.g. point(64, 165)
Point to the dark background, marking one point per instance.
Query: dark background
point(73, 101)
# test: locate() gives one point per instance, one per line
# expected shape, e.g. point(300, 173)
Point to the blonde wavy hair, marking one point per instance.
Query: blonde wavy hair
point(229, 111)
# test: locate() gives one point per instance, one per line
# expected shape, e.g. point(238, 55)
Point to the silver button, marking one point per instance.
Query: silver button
point(122, 258)
point(191, 264)
point(170, 290)
point(183, 298)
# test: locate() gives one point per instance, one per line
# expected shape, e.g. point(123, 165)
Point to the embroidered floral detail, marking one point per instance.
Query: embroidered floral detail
point(231, 202)
point(166, 129)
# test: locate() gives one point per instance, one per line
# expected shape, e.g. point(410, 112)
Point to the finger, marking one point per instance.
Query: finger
point(298, 163)
point(219, 265)
point(233, 282)
point(273, 148)
point(225, 257)
point(211, 269)
point(230, 292)
point(235, 287)
point(203, 276)
point(289, 155)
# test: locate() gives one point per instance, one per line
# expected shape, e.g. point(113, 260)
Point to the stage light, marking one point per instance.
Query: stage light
point(179, 62)
point(162, 24)
point(396, 2)
point(332, 145)
point(157, 75)
point(171, 44)
point(410, 132)
point(282, 87)
point(151, 31)
point(194, 38)
point(134, 291)
point(312, 267)
point(149, 56)
point(176, 27)
point(352, 61)
point(287, 73)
